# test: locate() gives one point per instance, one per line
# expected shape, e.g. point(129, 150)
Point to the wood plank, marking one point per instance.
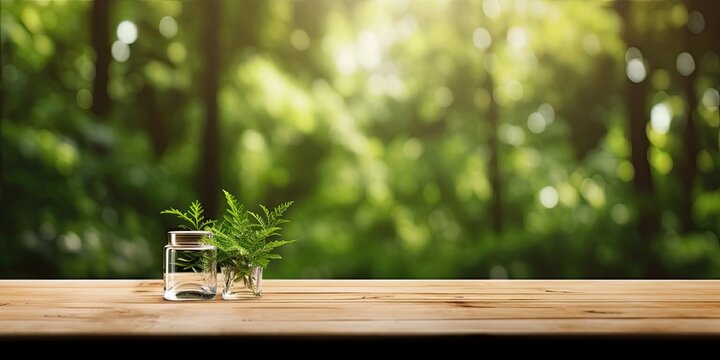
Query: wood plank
point(367, 307)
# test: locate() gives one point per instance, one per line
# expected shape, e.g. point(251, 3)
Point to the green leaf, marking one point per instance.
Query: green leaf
point(274, 244)
point(193, 216)
point(242, 235)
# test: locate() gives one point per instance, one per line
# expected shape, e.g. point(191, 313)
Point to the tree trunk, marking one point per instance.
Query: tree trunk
point(637, 117)
point(636, 108)
point(494, 162)
point(690, 147)
point(154, 118)
point(100, 39)
point(690, 139)
point(210, 145)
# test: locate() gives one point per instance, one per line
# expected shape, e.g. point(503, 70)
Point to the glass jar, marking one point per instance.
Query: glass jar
point(189, 266)
point(242, 283)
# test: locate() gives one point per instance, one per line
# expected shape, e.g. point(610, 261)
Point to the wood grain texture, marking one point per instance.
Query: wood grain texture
point(367, 307)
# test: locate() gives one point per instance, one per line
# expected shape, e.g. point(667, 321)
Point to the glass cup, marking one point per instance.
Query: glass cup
point(245, 284)
point(189, 266)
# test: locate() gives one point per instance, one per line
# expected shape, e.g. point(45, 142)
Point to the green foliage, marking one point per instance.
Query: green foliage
point(193, 216)
point(242, 236)
point(372, 115)
point(197, 261)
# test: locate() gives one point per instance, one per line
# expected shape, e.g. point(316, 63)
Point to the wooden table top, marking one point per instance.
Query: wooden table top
point(367, 307)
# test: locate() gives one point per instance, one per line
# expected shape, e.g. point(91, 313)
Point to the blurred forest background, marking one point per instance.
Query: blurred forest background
point(419, 139)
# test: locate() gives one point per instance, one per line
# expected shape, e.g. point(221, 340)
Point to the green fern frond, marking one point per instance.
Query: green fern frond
point(194, 216)
point(242, 235)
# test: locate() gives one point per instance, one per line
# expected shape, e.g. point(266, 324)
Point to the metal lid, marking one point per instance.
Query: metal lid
point(187, 237)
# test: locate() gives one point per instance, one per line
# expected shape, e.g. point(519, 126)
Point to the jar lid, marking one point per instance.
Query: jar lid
point(187, 237)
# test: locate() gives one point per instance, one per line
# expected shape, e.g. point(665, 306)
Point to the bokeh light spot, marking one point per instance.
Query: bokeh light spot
point(345, 60)
point(513, 90)
point(66, 157)
point(711, 99)
point(31, 19)
point(412, 149)
point(661, 161)
point(253, 141)
point(70, 242)
point(511, 134)
point(536, 123)
point(548, 112)
point(84, 99)
point(685, 64)
point(636, 71)
point(620, 214)
point(593, 193)
point(489, 62)
point(168, 27)
point(176, 52)
point(567, 194)
point(705, 161)
point(127, 32)
point(679, 15)
point(482, 38)
point(696, 22)
point(299, 40)
point(517, 38)
point(548, 197)
point(660, 118)
point(120, 51)
point(625, 171)
point(632, 53)
point(491, 8)
point(368, 50)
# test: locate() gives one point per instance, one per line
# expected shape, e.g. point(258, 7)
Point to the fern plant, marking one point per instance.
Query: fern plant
point(245, 240)
point(193, 216)
point(195, 261)
point(242, 236)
